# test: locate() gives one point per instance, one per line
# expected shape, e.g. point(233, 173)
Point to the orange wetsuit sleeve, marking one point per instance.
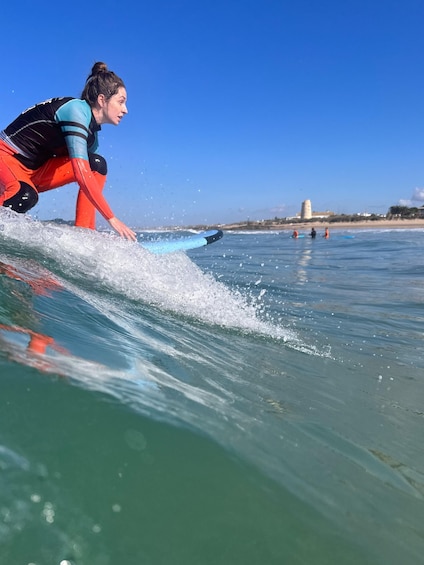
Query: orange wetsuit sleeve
point(88, 183)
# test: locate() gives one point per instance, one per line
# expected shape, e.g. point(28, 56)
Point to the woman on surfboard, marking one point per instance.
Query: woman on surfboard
point(54, 143)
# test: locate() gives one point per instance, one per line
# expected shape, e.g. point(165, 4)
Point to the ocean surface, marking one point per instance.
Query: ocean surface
point(257, 401)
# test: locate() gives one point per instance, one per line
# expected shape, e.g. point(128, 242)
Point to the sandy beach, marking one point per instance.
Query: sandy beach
point(320, 226)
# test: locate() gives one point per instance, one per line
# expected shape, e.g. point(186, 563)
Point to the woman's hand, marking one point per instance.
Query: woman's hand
point(122, 229)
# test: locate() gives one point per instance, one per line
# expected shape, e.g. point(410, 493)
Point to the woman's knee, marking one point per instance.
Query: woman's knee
point(25, 199)
point(98, 163)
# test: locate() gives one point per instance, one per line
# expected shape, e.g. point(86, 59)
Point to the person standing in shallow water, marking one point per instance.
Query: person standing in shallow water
point(54, 143)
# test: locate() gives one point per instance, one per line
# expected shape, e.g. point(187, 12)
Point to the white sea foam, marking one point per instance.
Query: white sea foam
point(172, 282)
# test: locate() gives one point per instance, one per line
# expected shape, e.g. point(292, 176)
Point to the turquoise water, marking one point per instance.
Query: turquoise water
point(256, 401)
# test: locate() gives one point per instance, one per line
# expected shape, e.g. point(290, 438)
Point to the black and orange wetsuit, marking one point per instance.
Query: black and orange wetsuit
point(49, 145)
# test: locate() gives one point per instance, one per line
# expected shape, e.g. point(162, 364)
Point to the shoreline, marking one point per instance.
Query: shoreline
point(363, 224)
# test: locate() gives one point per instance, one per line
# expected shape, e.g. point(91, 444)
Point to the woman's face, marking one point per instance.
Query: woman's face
point(112, 110)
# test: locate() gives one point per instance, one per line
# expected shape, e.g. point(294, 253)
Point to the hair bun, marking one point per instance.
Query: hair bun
point(99, 67)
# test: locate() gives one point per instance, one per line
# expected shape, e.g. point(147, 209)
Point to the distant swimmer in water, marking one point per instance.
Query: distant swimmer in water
point(313, 233)
point(295, 234)
point(54, 143)
point(326, 233)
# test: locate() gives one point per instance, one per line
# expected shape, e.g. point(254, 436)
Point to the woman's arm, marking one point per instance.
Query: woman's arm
point(75, 117)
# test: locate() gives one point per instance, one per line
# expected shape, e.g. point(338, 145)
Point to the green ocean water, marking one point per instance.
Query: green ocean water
point(90, 481)
point(256, 401)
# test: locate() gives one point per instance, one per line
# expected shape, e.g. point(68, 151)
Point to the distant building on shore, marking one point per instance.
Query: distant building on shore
point(306, 212)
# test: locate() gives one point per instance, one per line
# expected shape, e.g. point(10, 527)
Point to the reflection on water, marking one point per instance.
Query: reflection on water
point(21, 326)
point(303, 259)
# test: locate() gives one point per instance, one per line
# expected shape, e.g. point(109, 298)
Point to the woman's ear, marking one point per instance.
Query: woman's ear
point(101, 100)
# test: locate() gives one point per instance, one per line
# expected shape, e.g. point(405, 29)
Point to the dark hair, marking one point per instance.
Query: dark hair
point(101, 81)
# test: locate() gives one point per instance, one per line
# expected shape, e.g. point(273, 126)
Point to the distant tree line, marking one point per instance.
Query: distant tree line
point(328, 220)
point(351, 218)
point(62, 222)
point(403, 212)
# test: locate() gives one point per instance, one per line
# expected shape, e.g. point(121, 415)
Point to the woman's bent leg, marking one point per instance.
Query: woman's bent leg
point(58, 172)
point(16, 188)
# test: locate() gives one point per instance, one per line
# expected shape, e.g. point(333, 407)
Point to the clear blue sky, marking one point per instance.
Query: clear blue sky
point(237, 108)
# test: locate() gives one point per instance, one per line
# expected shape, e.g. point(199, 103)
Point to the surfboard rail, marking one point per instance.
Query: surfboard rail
point(183, 243)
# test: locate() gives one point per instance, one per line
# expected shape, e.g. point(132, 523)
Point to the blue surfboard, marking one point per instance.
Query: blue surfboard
point(162, 246)
point(341, 237)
